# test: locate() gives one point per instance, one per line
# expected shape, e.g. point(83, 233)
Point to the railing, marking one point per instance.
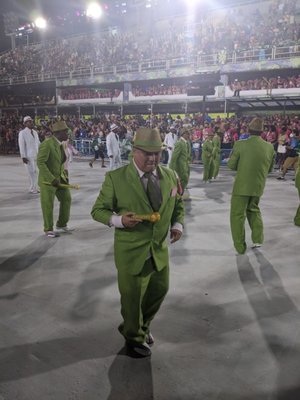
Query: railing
point(84, 146)
point(200, 61)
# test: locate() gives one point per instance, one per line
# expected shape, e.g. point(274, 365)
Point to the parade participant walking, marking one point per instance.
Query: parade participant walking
point(170, 141)
point(113, 148)
point(297, 184)
point(208, 158)
point(216, 154)
point(292, 156)
point(50, 160)
point(253, 159)
point(97, 146)
point(141, 251)
point(29, 145)
point(181, 157)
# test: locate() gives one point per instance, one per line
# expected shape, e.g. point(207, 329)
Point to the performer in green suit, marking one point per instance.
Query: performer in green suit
point(216, 154)
point(181, 158)
point(50, 161)
point(297, 184)
point(253, 159)
point(208, 158)
point(141, 251)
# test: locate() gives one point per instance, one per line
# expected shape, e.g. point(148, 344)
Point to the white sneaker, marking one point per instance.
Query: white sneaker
point(256, 245)
point(51, 234)
point(64, 229)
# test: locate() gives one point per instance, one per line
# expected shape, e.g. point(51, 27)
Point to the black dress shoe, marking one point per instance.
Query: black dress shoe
point(138, 350)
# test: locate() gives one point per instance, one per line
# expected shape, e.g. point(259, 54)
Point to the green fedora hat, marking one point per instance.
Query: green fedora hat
point(148, 139)
point(256, 125)
point(59, 126)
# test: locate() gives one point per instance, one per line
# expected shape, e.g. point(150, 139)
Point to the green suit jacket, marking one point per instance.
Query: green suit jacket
point(253, 159)
point(180, 161)
point(123, 191)
point(297, 177)
point(50, 161)
point(207, 151)
point(216, 147)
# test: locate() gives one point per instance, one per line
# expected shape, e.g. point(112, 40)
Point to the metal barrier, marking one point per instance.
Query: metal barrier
point(84, 146)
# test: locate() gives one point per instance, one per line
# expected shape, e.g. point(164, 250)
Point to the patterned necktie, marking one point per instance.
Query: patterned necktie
point(153, 192)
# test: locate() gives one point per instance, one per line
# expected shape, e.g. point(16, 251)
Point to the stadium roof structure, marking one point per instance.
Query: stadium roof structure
point(266, 102)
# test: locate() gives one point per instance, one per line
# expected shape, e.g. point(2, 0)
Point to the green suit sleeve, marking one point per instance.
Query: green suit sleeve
point(42, 159)
point(297, 177)
point(175, 156)
point(234, 159)
point(178, 213)
point(103, 208)
point(272, 163)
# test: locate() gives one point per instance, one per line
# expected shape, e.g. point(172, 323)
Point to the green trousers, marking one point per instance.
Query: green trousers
point(217, 162)
point(243, 207)
point(141, 297)
point(47, 196)
point(297, 216)
point(208, 169)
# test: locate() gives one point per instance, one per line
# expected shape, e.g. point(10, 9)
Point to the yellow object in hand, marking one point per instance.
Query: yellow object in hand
point(154, 217)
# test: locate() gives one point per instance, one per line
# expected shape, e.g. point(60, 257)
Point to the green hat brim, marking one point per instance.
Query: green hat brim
point(150, 149)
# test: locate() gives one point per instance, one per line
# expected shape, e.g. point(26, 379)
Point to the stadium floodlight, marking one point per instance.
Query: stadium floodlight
point(40, 23)
point(94, 11)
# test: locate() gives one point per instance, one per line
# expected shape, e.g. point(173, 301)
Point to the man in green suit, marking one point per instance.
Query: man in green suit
point(181, 158)
point(297, 184)
point(50, 161)
point(216, 141)
point(208, 158)
point(141, 252)
point(253, 159)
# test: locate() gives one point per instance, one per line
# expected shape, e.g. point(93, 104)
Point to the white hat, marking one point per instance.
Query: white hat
point(113, 127)
point(28, 118)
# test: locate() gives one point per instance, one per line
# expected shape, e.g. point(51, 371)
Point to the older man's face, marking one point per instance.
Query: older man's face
point(62, 136)
point(145, 160)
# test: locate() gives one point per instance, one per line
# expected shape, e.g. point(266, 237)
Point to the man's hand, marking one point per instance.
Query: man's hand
point(55, 182)
point(175, 235)
point(129, 221)
point(25, 160)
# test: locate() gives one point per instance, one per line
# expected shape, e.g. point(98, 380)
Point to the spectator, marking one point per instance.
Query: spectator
point(29, 145)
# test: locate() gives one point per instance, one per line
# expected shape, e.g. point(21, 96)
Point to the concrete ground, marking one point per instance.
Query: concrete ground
point(229, 328)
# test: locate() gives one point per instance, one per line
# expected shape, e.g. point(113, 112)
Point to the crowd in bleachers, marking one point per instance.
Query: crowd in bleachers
point(158, 90)
point(139, 90)
point(237, 29)
point(85, 93)
point(267, 83)
point(230, 129)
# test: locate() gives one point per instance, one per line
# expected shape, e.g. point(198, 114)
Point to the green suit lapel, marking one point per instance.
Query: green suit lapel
point(138, 190)
point(136, 184)
point(165, 187)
